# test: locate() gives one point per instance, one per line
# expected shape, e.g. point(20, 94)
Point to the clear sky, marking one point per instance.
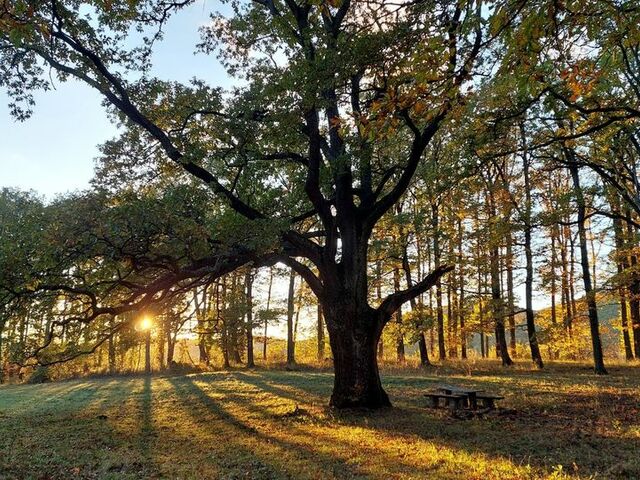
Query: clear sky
point(53, 151)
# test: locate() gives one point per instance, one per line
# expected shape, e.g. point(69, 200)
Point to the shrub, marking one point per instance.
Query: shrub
point(40, 375)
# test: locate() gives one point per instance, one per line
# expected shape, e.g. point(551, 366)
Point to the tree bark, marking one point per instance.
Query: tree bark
point(354, 347)
point(291, 354)
point(622, 265)
point(496, 295)
point(249, 324)
point(202, 310)
point(221, 307)
point(554, 288)
point(461, 297)
point(266, 320)
point(379, 298)
point(398, 314)
point(2, 325)
point(498, 312)
point(510, 295)
point(531, 327)
point(572, 274)
point(451, 321)
point(566, 299)
point(111, 348)
point(590, 294)
point(163, 325)
point(528, 253)
point(634, 290)
point(147, 352)
point(422, 342)
point(171, 349)
point(442, 353)
point(320, 332)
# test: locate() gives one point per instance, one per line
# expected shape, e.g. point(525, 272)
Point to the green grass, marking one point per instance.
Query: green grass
point(275, 424)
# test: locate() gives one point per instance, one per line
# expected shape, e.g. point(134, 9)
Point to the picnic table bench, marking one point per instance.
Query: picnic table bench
point(489, 399)
point(452, 401)
point(456, 397)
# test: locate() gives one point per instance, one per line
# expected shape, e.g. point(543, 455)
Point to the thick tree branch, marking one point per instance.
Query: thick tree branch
point(394, 301)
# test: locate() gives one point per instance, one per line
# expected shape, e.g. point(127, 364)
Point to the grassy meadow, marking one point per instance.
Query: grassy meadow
point(274, 424)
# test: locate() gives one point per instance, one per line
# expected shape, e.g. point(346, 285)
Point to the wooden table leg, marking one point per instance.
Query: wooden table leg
point(454, 404)
point(473, 400)
point(447, 401)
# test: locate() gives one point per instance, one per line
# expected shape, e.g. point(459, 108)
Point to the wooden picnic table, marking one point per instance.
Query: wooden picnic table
point(454, 396)
point(470, 393)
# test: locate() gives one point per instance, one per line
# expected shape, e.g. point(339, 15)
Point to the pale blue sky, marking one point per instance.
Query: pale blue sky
point(53, 151)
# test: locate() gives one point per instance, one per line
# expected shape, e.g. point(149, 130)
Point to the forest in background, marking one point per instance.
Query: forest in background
point(483, 223)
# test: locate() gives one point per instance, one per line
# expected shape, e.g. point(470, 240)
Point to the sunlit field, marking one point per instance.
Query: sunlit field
point(268, 424)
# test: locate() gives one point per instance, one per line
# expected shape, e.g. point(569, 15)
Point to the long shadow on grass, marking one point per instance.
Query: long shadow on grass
point(359, 446)
point(146, 425)
point(542, 435)
point(317, 389)
point(245, 440)
point(54, 399)
point(560, 428)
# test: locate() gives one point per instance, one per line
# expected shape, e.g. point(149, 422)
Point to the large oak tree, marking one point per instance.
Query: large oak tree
point(338, 104)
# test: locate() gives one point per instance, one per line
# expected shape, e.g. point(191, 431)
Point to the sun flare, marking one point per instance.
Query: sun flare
point(145, 324)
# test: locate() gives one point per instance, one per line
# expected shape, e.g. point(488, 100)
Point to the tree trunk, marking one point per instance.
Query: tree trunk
point(622, 266)
point(237, 357)
point(111, 348)
point(291, 355)
point(320, 330)
point(236, 320)
point(356, 376)
point(354, 326)
point(451, 321)
point(530, 319)
point(479, 263)
point(554, 288)
point(572, 275)
point(442, 354)
point(2, 325)
point(171, 349)
point(221, 305)
point(298, 306)
point(147, 352)
point(400, 337)
point(266, 320)
point(594, 257)
point(483, 352)
point(249, 325)
point(422, 342)
point(163, 325)
point(498, 311)
point(566, 299)
point(528, 253)
point(201, 308)
point(590, 294)
point(626, 340)
point(634, 290)
point(461, 309)
point(510, 296)
point(379, 298)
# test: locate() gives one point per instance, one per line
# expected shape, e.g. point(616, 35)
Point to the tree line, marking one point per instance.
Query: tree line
point(431, 155)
